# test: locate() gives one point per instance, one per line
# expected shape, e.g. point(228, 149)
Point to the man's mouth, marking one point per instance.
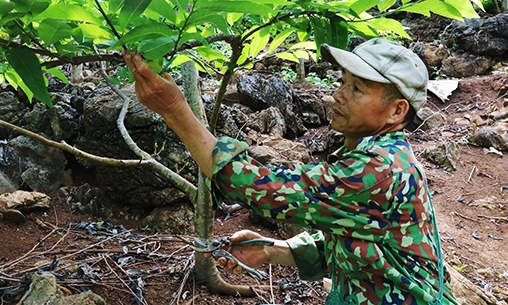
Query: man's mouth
point(337, 112)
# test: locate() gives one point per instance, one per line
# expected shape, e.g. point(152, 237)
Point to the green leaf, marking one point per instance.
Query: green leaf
point(181, 18)
point(27, 65)
point(362, 29)
point(181, 4)
point(280, 38)
point(210, 54)
point(283, 3)
point(194, 36)
point(259, 41)
point(115, 80)
point(418, 9)
point(114, 5)
point(68, 12)
point(13, 79)
point(209, 17)
point(156, 64)
point(51, 30)
point(58, 74)
point(6, 7)
point(465, 8)
point(32, 6)
point(146, 31)
point(162, 8)
point(121, 71)
point(450, 9)
point(301, 54)
point(77, 34)
point(232, 17)
point(180, 59)
point(303, 35)
point(389, 25)
point(338, 35)
point(319, 31)
point(245, 54)
point(132, 9)
point(95, 32)
point(287, 56)
point(442, 8)
point(479, 4)
point(385, 4)
point(156, 48)
point(6, 18)
point(363, 5)
point(306, 45)
point(235, 6)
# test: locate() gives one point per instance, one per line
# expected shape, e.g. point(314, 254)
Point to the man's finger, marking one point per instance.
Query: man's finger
point(232, 263)
point(237, 270)
point(222, 261)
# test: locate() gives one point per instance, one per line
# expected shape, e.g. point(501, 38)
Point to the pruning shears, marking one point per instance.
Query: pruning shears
point(215, 246)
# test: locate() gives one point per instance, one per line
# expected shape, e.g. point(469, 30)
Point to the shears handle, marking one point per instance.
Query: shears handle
point(256, 273)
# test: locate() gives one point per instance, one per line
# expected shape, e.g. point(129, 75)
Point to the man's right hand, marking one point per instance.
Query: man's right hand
point(162, 95)
point(252, 256)
point(159, 93)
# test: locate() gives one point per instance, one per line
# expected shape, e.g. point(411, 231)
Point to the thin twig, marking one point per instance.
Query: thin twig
point(272, 296)
point(462, 216)
point(61, 238)
point(71, 149)
point(21, 258)
point(188, 266)
point(494, 217)
point(471, 174)
point(178, 181)
point(142, 300)
point(482, 189)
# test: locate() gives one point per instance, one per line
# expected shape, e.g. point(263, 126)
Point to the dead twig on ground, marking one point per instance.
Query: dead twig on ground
point(494, 217)
point(462, 216)
point(471, 174)
point(479, 190)
point(139, 299)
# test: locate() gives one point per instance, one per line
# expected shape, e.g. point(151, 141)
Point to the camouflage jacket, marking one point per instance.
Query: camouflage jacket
point(371, 204)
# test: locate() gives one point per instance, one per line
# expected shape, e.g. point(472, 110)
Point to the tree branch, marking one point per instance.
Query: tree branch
point(62, 60)
point(178, 181)
point(71, 149)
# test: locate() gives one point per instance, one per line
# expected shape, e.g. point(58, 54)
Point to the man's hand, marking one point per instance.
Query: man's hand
point(159, 93)
point(252, 256)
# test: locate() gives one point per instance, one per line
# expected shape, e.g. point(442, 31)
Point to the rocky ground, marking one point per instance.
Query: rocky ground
point(107, 256)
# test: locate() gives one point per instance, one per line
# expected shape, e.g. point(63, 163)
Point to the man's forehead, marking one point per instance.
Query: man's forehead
point(349, 75)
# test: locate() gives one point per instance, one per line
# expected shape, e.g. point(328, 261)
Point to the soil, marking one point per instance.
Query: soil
point(470, 205)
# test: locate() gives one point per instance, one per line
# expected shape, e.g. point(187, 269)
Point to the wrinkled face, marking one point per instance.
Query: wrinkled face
point(359, 109)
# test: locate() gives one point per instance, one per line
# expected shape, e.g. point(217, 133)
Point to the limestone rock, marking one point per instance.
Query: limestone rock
point(445, 155)
point(44, 290)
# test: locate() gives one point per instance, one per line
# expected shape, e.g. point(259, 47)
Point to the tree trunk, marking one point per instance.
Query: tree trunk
point(468, 293)
point(204, 213)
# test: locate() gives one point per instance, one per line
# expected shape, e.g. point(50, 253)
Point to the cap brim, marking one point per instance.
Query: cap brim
point(352, 63)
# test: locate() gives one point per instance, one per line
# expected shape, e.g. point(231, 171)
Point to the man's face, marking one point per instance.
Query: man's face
point(359, 110)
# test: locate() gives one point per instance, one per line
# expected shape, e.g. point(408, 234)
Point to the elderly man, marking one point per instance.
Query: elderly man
point(370, 200)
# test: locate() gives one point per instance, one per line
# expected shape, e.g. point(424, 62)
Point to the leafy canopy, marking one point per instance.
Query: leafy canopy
point(38, 35)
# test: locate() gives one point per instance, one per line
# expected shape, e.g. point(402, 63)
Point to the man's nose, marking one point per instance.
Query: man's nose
point(339, 96)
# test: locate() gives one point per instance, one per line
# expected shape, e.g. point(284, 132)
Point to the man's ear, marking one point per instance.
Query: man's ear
point(399, 109)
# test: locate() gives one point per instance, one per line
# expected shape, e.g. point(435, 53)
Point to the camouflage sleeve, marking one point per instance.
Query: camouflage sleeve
point(308, 257)
point(226, 150)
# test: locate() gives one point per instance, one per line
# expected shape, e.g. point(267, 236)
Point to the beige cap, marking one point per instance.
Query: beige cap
point(385, 61)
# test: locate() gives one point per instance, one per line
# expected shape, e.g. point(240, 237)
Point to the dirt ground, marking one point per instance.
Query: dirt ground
point(470, 205)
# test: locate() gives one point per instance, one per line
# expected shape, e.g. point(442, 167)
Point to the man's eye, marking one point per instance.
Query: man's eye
point(356, 89)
